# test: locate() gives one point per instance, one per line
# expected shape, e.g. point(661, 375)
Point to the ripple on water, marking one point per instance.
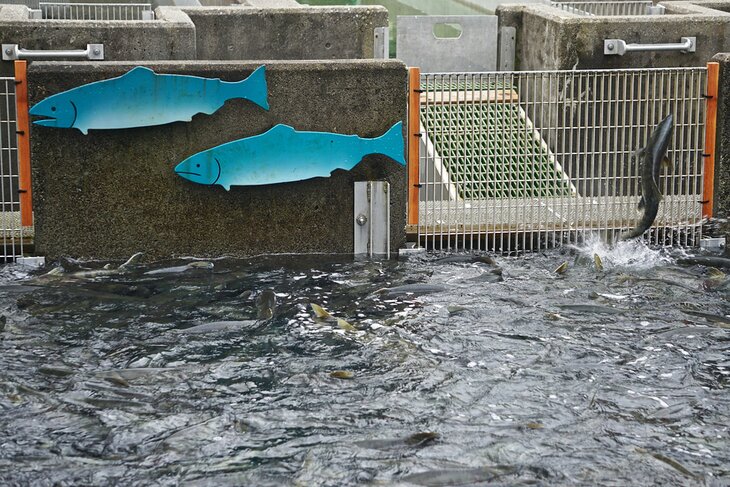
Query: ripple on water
point(522, 375)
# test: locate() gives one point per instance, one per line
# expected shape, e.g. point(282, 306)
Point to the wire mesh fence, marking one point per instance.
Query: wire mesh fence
point(12, 233)
point(513, 161)
point(96, 11)
point(628, 7)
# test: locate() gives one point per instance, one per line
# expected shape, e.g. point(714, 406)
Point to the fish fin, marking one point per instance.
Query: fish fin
point(252, 88)
point(83, 130)
point(319, 311)
point(345, 325)
point(641, 204)
point(667, 164)
point(139, 71)
point(391, 143)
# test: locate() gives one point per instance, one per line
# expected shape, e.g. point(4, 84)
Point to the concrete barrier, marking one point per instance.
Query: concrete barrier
point(170, 36)
point(230, 33)
point(112, 193)
point(549, 38)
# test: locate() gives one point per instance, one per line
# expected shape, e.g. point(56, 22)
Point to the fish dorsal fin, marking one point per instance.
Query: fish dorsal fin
point(280, 129)
point(667, 164)
point(140, 72)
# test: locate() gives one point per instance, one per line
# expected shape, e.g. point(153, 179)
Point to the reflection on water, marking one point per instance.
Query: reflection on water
point(451, 371)
point(413, 7)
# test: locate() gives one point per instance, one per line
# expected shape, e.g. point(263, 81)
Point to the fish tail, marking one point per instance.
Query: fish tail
point(391, 143)
point(252, 88)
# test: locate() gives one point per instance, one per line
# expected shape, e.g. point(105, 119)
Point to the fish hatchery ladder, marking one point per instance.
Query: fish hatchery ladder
point(16, 217)
point(520, 161)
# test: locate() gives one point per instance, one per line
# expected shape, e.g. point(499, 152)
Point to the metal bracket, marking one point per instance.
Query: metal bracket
point(617, 47)
point(381, 48)
point(656, 10)
point(35, 14)
point(372, 218)
point(93, 52)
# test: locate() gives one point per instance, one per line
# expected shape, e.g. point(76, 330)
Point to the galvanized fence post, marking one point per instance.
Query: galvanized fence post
point(708, 185)
point(414, 140)
point(23, 132)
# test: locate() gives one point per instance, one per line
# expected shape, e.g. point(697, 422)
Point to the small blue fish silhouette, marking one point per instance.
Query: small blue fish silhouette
point(142, 98)
point(283, 154)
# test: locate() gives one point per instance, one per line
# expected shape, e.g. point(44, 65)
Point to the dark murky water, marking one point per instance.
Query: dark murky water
point(585, 378)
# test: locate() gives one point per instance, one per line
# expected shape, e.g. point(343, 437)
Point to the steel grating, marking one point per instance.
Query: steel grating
point(507, 154)
point(12, 234)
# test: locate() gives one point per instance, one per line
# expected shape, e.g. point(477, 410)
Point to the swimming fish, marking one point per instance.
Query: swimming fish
point(143, 98)
point(410, 290)
point(416, 440)
point(651, 159)
point(598, 262)
point(323, 314)
point(283, 154)
point(108, 270)
point(181, 268)
point(708, 261)
point(219, 326)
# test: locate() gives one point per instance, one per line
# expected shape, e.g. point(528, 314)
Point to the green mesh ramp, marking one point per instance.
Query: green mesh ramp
point(489, 149)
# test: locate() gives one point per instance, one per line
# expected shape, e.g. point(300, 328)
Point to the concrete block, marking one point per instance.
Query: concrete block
point(233, 33)
point(170, 36)
point(549, 38)
point(269, 3)
point(112, 193)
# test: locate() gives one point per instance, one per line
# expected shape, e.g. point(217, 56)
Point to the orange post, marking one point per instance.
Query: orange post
point(708, 189)
point(414, 139)
point(23, 129)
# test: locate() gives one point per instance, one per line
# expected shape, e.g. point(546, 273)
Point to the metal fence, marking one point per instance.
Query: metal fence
point(513, 161)
point(12, 233)
point(628, 7)
point(96, 11)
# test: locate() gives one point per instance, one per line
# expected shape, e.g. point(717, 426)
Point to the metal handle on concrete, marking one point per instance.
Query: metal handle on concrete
point(93, 52)
point(617, 47)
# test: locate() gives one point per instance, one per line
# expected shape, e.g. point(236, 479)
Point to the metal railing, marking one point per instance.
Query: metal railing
point(96, 11)
point(513, 161)
point(12, 232)
point(614, 8)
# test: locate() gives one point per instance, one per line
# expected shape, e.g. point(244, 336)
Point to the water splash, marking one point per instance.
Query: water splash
point(634, 254)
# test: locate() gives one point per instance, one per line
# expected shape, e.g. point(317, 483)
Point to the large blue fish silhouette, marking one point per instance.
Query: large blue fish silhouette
point(142, 98)
point(283, 154)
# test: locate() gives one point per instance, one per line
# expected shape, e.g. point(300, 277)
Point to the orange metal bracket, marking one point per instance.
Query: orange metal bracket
point(708, 188)
point(23, 129)
point(414, 139)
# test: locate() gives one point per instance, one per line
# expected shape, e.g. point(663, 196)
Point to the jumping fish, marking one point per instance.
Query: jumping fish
point(651, 159)
point(143, 98)
point(283, 154)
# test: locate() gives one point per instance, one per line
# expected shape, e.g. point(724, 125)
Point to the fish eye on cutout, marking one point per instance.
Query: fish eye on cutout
point(53, 109)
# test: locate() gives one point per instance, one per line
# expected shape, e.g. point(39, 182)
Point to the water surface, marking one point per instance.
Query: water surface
point(613, 377)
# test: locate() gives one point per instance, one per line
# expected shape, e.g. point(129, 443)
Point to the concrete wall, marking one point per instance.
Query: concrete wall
point(112, 193)
point(229, 33)
point(171, 36)
point(549, 38)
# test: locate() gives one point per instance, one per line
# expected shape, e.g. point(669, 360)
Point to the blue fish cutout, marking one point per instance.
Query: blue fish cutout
point(143, 98)
point(283, 154)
